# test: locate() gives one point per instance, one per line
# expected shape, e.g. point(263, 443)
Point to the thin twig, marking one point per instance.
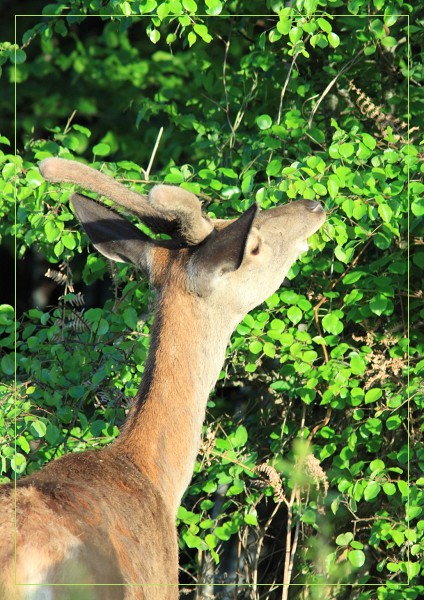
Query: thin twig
point(284, 88)
point(293, 552)
point(288, 550)
point(152, 158)
point(321, 424)
point(280, 107)
point(332, 82)
point(224, 82)
point(68, 124)
point(261, 541)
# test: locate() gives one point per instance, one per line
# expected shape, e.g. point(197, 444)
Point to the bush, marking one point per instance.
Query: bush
point(311, 457)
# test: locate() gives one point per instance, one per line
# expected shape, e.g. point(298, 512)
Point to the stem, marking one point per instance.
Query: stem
point(152, 158)
point(332, 82)
point(291, 546)
point(287, 559)
point(68, 124)
point(284, 88)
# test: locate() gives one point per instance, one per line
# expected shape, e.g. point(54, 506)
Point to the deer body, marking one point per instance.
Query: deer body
point(107, 517)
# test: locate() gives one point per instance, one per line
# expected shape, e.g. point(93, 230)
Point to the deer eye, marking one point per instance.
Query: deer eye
point(255, 250)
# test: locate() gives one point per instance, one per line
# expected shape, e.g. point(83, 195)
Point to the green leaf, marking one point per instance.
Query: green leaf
point(186, 516)
point(126, 8)
point(346, 150)
point(357, 364)
point(344, 538)
point(397, 536)
point(412, 569)
point(332, 324)
point(52, 232)
point(309, 516)
point(101, 149)
point(8, 364)
point(389, 488)
point(263, 121)
point(251, 519)
point(377, 28)
point(377, 465)
point(417, 207)
point(373, 395)
point(102, 328)
point(393, 422)
point(224, 531)
point(214, 7)
point(356, 558)
point(295, 34)
point(68, 240)
point(325, 25)
point(190, 5)
point(274, 168)
point(255, 347)
point(284, 25)
point(378, 304)
point(333, 39)
point(236, 489)
point(385, 212)
point(202, 31)
point(38, 429)
point(310, 6)
point(23, 444)
point(320, 189)
point(240, 437)
point(154, 36)
point(18, 463)
point(372, 490)
point(389, 41)
point(269, 349)
point(391, 14)
point(131, 318)
point(294, 314)
point(353, 277)
point(333, 188)
point(58, 249)
point(369, 141)
point(192, 541)
point(18, 57)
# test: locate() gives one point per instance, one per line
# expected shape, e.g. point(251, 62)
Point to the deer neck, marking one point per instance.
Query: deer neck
point(163, 429)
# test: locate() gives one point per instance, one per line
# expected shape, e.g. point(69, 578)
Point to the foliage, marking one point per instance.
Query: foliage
point(312, 456)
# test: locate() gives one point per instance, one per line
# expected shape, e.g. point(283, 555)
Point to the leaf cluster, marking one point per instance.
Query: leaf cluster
point(312, 453)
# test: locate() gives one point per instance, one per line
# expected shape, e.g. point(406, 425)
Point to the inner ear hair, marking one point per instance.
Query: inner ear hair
point(254, 243)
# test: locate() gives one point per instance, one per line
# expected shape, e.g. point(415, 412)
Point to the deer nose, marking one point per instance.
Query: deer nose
point(314, 206)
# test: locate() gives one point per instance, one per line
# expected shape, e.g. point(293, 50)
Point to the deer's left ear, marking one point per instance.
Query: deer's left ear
point(223, 251)
point(112, 235)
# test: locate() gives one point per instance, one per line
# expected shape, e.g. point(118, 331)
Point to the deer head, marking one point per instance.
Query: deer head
point(233, 265)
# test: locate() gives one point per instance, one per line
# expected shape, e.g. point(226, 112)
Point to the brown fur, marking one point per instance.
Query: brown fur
point(98, 541)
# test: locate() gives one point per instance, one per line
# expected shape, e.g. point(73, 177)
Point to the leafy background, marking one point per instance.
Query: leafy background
point(310, 471)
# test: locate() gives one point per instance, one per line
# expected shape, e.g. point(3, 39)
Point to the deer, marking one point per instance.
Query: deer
point(100, 524)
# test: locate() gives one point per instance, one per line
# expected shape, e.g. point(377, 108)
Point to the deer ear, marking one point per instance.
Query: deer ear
point(221, 252)
point(112, 235)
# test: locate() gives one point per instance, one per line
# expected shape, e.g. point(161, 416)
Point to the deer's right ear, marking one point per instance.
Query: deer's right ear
point(112, 235)
point(222, 251)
